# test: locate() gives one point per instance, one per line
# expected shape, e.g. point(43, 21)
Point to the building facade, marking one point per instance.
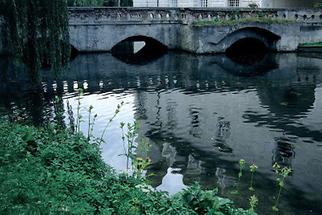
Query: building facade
point(226, 3)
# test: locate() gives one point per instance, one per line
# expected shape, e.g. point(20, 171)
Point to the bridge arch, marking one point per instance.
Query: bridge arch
point(138, 49)
point(139, 37)
point(251, 34)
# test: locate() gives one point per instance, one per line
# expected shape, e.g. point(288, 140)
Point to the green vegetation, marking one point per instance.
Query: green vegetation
point(311, 45)
point(98, 3)
point(37, 31)
point(252, 169)
point(231, 22)
point(86, 3)
point(240, 175)
point(318, 5)
point(52, 170)
point(281, 174)
point(253, 201)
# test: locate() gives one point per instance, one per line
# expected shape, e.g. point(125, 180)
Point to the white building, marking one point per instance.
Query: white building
point(225, 3)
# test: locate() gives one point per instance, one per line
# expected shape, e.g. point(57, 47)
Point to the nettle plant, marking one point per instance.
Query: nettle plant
point(240, 175)
point(281, 174)
point(136, 152)
point(252, 169)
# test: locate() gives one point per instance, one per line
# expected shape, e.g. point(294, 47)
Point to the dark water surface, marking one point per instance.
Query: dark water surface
point(200, 114)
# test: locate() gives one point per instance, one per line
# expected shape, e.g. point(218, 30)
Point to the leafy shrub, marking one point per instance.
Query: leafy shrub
point(318, 5)
point(253, 5)
point(52, 171)
point(85, 2)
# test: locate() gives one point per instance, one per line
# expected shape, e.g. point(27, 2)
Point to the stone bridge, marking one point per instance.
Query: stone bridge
point(189, 29)
point(197, 30)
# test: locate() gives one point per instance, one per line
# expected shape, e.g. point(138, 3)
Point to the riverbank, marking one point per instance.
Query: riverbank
point(52, 171)
point(311, 47)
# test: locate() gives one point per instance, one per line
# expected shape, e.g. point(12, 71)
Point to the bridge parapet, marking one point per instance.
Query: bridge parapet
point(106, 15)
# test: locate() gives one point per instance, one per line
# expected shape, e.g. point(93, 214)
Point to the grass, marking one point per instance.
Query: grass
point(51, 170)
point(313, 45)
point(231, 22)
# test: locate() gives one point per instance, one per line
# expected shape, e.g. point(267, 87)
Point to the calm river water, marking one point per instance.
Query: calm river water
point(200, 114)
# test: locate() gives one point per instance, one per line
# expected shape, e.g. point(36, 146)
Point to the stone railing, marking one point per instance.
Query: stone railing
point(109, 15)
point(113, 15)
point(105, 15)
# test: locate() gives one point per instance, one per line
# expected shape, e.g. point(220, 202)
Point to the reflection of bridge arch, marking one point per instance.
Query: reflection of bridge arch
point(267, 63)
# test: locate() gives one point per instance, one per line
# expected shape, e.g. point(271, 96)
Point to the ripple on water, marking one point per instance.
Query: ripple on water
point(200, 122)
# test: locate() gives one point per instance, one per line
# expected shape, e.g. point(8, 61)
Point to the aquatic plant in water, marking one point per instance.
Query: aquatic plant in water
point(91, 122)
point(253, 201)
point(240, 174)
point(138, 163)
point(252, 169)
point(117, 111)
point(78, 114)
point(281, 174)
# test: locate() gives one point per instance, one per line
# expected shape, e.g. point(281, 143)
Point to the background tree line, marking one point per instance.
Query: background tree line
point(36, 31)
point(107, 3)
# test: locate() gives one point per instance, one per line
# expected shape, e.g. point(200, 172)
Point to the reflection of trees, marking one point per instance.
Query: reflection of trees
point(33, 107)
point(290, 101)
point(286, 105)
point(59, 112)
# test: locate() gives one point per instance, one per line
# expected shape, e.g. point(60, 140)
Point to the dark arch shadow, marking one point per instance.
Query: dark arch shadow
point(247, 51)
point(125, 50)
point(265, 36)
point(249, 47)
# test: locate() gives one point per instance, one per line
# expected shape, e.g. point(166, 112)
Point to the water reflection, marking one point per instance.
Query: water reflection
point(201, 114)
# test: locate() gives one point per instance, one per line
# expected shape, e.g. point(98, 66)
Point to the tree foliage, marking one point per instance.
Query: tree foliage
point(85, 3)
point(37, 31)
point(98, 3)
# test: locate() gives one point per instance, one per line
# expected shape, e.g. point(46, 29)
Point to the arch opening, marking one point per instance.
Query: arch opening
point(138, 50)
point(250, 45)
point(247, 51)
